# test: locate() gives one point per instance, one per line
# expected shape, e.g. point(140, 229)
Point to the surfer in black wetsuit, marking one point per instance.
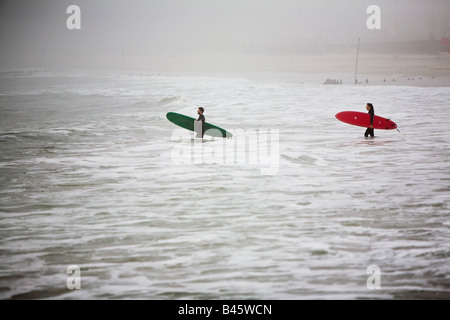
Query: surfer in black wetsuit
point(201, 118)
point(369, 130)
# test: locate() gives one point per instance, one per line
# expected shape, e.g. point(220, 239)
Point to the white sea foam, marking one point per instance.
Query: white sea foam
point(90, 180)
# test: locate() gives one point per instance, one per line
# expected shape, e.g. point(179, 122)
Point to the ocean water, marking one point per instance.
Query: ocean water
point(92, 174)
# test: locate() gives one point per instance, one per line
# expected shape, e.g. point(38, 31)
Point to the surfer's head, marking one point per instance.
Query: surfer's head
point(200, 110)
point(369, 107)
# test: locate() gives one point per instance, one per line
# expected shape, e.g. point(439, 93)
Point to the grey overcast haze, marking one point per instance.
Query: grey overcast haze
point(159, 34)
point(108, 193)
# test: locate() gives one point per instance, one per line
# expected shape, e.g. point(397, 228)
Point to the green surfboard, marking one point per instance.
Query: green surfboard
point(188, 123)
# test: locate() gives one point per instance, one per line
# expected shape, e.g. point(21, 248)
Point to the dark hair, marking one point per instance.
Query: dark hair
point(371, 106)
point(201, 109)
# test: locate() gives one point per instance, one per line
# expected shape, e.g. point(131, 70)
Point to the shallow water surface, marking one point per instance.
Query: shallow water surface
point(92, 174)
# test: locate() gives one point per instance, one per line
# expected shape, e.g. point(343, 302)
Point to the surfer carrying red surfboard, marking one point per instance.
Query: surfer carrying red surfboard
point(369, 130)
point(370, 120)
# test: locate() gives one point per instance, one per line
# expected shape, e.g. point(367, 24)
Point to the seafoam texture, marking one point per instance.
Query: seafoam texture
point(88, 177)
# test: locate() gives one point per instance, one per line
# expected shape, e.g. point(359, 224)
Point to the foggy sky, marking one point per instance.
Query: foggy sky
point(154, 33)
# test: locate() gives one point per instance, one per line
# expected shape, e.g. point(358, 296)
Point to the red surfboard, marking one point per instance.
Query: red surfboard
point(362, 119)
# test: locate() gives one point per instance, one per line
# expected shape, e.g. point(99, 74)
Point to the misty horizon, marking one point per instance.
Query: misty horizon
point(197, 34)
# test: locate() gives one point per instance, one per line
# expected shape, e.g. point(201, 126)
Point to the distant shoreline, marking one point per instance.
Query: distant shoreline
point(348, 79)
point(418, 70)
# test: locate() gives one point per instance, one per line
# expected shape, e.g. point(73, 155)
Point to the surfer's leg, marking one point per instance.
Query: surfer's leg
point(372, 134)
point(366, 134)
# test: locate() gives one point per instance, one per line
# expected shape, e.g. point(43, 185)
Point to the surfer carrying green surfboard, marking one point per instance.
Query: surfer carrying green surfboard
point(201, 118)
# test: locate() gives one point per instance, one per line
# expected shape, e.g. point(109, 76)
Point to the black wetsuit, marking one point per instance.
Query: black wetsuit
point(201, 118)
point(369, 131)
